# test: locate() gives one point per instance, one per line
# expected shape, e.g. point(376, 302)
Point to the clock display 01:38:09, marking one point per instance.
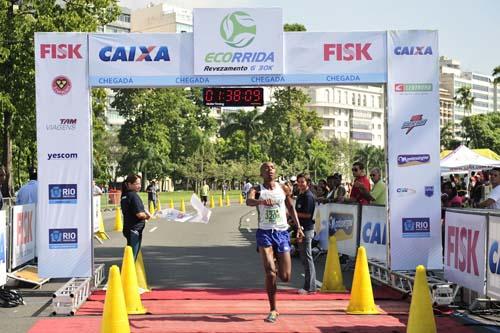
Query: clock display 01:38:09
point(233, 96)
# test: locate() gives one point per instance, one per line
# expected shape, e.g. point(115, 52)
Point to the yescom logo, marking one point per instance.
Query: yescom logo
point(238, 29)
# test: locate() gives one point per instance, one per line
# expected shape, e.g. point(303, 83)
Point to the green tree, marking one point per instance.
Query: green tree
point(371, 157)
point(19, 20)
point(447, 138)
point(484, 131)
point(294, 27)
point(464, 99)
point(496, 79)
point(248, 123)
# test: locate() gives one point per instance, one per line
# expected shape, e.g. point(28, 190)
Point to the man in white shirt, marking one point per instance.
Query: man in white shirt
point(246, 188)
point(493, 200)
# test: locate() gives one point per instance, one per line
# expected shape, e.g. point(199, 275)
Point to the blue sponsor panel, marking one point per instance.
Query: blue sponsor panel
point(225, 80)
point(66, 238)
point(2, 248)
point(63, 194)
point(493, 258)
point(413, 159)
point(429, 191)
point(416, 227)
point(374, 233)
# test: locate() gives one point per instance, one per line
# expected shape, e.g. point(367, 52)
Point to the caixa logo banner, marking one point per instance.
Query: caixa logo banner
point(63, 238)
point(63, 194)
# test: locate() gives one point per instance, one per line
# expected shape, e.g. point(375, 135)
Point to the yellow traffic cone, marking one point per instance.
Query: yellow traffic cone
point(220, 201)
point(421, 314)
point(212, 202)
point(141, 274)
point(361, 301)
point(102, 232)
point(171, 204)
point(114, 316)
point(332, 277)
point(183, 206)
point(151, 207)
point(241, 199)
point(228, 202)
point(129, 281)
point(118, 219)
point(158, 203)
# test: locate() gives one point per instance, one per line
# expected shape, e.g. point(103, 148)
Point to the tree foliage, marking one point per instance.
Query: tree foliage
point(483, 131)
point(19, 20)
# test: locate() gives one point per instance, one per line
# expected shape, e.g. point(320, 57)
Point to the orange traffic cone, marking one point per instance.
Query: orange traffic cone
point(114, 316)
point(129, 281)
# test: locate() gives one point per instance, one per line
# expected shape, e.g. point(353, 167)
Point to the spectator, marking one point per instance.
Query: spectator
point(361, 186)
point(477, 190)
point(205, 189)
point(151, 190)
point(377, 194)
point(96, 190)
point(493, 200)
point(246, 188)
point(450, 197)
point(28, 193)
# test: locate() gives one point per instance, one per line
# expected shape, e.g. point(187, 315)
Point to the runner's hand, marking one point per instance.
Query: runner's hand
point(267, 202)
point(300, 233)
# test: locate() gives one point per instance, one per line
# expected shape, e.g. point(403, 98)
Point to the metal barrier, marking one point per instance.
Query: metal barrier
point(68, 299)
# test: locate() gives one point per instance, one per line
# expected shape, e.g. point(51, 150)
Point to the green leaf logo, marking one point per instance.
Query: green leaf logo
point(238, 29)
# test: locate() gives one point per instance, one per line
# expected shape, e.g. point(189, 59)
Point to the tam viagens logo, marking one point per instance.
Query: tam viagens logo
point(238, 29)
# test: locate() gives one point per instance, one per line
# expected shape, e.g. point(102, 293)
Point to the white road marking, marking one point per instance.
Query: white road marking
point(153, 229)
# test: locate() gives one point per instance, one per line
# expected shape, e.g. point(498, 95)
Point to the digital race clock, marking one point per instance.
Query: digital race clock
point(233, 96)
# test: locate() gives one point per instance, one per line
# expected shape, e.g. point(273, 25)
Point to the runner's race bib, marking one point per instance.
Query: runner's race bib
point(272, 215)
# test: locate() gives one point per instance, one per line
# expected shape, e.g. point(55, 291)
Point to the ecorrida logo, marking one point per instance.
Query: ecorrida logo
point(61, 85)
point(238, 29)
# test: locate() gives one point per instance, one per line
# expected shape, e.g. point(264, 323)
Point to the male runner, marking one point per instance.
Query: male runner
point(273, 200)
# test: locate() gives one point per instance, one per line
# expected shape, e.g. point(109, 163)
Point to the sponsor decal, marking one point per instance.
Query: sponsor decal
point(493, 258)
point(413, 159)
point(413, 50)
point(346, 52)
point(60, 51)
point(416, 227)
point(341, 225)
point(2, 248)
point(238, 29)
point(63, 194)
point(405, 191)
point(429, 191)
point(413, 87)
point(66, 238)
point(61, 85)
point(23, 222)
point(62, 156)
point(64, 124)
point(461, 249)
point(415, 121)
point(134, 53)
point(374, 233)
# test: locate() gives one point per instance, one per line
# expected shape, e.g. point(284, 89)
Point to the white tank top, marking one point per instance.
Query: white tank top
point(272, 217)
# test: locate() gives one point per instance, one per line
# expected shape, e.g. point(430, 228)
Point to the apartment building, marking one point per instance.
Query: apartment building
point(350, 112)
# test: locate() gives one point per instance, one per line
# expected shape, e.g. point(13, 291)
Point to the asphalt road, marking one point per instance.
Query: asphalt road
point(220, 254)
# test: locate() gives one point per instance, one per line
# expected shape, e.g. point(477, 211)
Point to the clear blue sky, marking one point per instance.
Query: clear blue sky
point(469, 31)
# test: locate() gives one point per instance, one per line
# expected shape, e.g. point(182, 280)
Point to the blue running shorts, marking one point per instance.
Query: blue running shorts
point(279, 240)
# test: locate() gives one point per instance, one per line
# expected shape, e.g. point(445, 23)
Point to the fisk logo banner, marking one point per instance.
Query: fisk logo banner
point(465, 241)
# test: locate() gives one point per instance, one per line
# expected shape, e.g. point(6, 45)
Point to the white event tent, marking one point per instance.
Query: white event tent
point(463, 159)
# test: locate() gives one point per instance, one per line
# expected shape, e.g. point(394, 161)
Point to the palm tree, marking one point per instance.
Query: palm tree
point(249, 123)
point(465, 99)
point(496, 81)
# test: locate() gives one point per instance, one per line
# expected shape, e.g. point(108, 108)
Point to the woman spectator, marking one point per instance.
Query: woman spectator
point(134, 214)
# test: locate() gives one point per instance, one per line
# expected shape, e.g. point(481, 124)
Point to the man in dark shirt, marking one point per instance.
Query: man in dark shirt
point(151, 190)
point(304, 205)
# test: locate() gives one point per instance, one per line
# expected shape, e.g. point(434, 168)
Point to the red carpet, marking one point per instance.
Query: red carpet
point(242, 311)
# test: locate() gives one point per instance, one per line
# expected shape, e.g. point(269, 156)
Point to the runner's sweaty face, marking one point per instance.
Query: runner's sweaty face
point(267, 171)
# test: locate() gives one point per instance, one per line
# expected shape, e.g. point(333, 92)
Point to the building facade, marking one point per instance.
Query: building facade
point(350, 112)
point(162, 18)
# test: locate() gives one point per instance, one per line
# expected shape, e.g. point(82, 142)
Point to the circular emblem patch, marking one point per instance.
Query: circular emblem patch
point(238, 29)
point(61, 85)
